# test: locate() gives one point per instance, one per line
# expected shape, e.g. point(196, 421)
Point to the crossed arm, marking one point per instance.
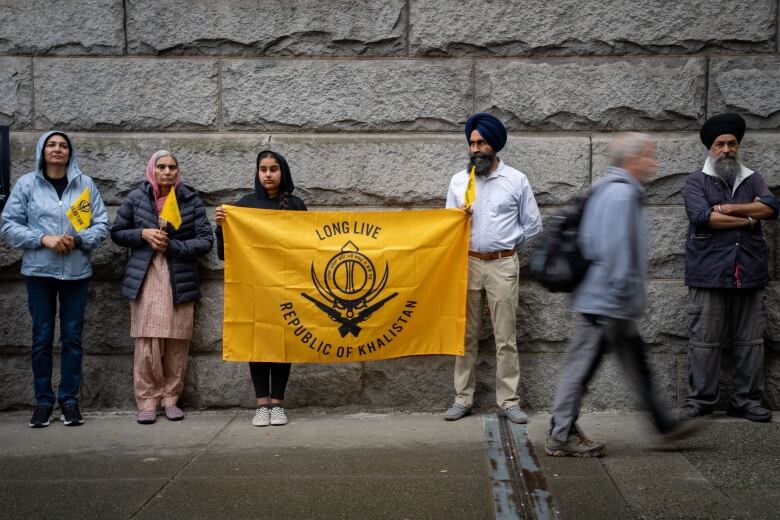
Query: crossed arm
point(729, 216)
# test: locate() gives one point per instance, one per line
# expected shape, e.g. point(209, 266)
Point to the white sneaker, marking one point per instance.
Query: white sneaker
point(262, 417)
point(278, 417)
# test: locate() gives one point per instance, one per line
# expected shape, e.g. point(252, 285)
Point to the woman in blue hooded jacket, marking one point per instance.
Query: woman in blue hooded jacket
point(56, 265)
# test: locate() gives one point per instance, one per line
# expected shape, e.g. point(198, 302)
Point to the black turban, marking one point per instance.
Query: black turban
point(722, 124)
point(489, 127)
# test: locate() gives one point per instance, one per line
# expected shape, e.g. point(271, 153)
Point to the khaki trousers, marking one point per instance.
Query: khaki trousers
point(159, 367)
point(499, 279)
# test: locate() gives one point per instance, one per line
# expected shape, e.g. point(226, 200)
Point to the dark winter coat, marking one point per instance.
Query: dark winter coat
point(259, 199)
point(711, 255)
point(192, 240)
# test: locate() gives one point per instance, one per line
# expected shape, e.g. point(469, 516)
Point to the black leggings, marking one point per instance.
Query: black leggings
point(278, 373)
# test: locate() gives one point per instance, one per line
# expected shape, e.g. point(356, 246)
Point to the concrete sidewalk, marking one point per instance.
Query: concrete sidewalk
point(729, 470)
point(217, 465)
point(401, 466)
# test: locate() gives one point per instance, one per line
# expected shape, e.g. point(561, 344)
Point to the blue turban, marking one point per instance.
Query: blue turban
point(489, 127)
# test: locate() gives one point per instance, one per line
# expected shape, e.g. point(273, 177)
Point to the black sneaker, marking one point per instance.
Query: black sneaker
point(689, 411)
point(70, 414)
point(41, 417)
point(756, 413)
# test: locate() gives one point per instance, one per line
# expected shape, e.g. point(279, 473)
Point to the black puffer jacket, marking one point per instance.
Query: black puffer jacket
point(260, 200)
point(192, 240)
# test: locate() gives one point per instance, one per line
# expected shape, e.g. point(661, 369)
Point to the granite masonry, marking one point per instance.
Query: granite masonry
point(367, 99)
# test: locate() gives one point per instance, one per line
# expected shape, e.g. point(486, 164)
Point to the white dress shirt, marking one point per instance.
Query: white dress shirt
point(505, 211)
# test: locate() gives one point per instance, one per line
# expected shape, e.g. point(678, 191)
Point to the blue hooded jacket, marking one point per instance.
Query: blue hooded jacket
point(34, 209)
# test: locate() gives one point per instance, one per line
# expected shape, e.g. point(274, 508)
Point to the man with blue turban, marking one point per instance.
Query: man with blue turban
point(504, 216)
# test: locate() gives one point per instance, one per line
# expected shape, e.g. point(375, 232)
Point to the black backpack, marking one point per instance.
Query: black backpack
point(557, 262)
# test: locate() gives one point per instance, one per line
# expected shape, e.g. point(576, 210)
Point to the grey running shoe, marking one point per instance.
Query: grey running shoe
point(516, 415)
point(576, 445)
point(455, 412)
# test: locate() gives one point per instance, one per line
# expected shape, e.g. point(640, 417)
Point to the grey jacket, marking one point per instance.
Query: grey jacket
point(613, 235)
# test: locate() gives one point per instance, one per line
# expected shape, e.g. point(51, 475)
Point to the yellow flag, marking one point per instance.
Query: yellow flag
point(471, 190)
point(170, 210)
point(80, 213)
point(326, 287)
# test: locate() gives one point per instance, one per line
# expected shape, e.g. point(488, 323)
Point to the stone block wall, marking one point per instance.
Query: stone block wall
point(367, 99)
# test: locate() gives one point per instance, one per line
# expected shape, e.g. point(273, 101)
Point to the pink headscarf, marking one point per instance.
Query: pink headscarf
point(160, 199)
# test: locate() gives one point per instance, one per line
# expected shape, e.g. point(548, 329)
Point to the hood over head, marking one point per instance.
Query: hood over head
point(286, 184)
point(73, 169)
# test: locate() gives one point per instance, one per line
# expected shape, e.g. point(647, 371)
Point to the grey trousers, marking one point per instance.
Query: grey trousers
point(716, 317)
point(593, 337)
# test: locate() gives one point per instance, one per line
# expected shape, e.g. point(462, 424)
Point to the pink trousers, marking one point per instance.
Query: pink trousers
point(159, 367)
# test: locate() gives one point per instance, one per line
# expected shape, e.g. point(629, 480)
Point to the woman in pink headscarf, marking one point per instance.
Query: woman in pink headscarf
point(161, 281)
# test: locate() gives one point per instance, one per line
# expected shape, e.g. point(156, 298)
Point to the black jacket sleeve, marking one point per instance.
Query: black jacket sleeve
point(123, 232)
point(193, 248)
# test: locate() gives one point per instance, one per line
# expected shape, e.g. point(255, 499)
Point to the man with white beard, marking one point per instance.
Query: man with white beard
point(726, 271)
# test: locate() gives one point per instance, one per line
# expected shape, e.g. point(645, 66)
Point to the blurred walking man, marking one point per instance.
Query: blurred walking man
point(504, 216)
point(726, 273)
point(611, 298)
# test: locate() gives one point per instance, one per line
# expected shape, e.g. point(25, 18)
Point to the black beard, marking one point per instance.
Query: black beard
point(481, 163)
point(726, 168)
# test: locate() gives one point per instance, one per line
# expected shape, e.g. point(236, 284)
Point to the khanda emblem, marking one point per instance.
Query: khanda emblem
point(349, 288)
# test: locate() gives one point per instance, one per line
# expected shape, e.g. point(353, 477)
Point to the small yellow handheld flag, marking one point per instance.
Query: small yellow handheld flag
point(80, 213)
point(170, 210)
point(471, 192)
